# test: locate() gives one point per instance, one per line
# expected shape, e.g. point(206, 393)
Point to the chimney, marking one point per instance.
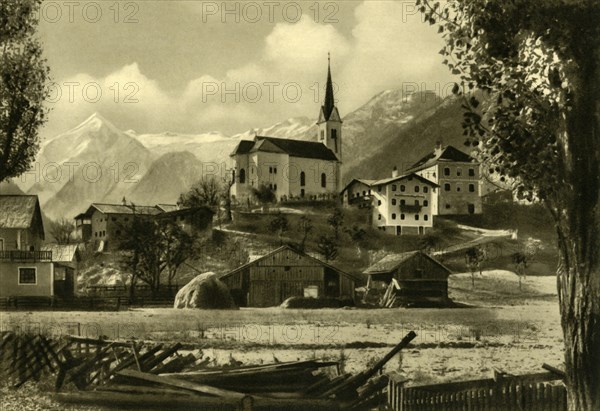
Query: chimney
point(395, 172)
point(439, 147)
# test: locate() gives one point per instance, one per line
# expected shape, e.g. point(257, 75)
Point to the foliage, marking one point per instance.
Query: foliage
point(264, 194)
point(328, 247)
point(23, 77)
point(538, 125)
point(62, 230)
point(279, 224)
point(305, 227)
point(336, 220)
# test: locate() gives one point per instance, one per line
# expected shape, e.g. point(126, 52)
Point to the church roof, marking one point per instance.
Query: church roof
point(294, 148)
point(449, 153)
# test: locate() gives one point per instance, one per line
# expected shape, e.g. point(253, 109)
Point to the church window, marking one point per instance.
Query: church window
point(302, 193)
point(323, 180)
point(242, 176)
point(302, 179)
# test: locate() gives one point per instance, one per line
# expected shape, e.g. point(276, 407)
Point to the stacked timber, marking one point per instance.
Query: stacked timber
point(145, 376)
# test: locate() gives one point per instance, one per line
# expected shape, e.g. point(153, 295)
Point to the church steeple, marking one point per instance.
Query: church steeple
point(330, 123)
point(329, 102)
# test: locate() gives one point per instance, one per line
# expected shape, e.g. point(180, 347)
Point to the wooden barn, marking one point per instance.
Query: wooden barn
point(284, 273)
point(412, 278)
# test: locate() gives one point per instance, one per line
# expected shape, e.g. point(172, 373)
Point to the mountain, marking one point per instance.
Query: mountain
point(94, 161)
point(300, 128)
point(168, 177)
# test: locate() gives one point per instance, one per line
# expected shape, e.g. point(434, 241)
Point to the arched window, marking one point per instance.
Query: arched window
point(242, 176)
point(323, 180)
point(302, 179)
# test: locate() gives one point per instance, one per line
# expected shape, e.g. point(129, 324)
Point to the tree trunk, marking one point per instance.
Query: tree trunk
point(579, 233)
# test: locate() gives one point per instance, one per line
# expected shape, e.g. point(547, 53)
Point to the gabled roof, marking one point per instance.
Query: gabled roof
point(284, 247)
point(366, 182)
point(294, 148)
point(62, 253)
point(449, 153)
point(120, 209)
point(19, 211)
point(389, 180)
point(392, 261)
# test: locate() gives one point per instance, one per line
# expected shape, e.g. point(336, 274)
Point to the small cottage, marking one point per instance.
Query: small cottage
point(412, 278)
point(65, 258)
point(283, 273)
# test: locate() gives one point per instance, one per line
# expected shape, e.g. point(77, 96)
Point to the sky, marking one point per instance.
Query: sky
point(200, 66)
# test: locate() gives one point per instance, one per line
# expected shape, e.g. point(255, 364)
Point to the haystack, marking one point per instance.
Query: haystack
point(205, 291)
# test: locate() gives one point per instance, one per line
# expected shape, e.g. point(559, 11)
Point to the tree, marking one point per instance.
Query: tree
point(23, 77)
point(537, 67)
point(327, 247)
point(264, 195)
point(336, 220)
point(357, 235)
point(279, 224)
point(178, 247)
point(474, 256)
point(520, 261)
point(62, 230)
point(228, 181)
point(207, 192)
point(305, 226)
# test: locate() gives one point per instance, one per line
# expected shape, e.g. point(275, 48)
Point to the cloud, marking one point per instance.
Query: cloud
point(388, 45)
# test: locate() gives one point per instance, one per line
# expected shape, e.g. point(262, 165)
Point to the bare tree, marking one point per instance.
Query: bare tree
point(62, 230)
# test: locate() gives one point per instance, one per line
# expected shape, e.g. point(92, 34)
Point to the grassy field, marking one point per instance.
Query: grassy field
point(502, 327)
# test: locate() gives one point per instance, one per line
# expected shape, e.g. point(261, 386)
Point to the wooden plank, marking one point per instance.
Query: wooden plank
point(201, 388)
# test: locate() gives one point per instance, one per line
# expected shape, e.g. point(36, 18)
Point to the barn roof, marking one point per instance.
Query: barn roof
point(18, 211)
point(449, 153)
point(392, 261)
point(284, 247)
point(62, 253)
point(120, 209)
point(294, 148)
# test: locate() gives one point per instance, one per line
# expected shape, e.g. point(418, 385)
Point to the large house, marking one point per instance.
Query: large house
point(25, 270)
point(412, 278)
point(283, 273)
point(459, 177)
point(401, 204)
point(293, 168)
point(102, 225)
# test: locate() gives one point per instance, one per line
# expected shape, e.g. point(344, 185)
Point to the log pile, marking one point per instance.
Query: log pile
point(144, 376)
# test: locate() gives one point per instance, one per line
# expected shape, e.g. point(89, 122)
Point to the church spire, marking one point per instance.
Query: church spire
point(329, 102)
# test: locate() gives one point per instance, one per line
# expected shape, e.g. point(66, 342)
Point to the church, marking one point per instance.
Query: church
point(293, 169)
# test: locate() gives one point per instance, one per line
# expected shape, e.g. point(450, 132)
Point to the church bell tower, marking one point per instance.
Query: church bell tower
point(330, 123)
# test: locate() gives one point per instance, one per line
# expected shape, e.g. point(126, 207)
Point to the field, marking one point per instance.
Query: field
point(502, 327)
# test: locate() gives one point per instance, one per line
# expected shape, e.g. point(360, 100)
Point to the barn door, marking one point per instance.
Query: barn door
point(264, 293)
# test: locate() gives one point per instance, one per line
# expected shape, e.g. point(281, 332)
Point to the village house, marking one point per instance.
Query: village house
point(66, 259)
point(401, 204)
point(411, 278)
point(283, 273)
point(293, 168)
point(459, 177)
point(102, 225)
point(25, 269)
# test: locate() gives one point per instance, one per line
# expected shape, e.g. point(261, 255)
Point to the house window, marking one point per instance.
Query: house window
point(447, 187)
point(393, 201)
point(379, 188)
point(425, 217)
point(447, 171)
point(425, 203)
point(416, 217)
point(302, 179)
point(471, 172)
point(402, 188)
point(458, 187)
point(27, 276)
point(323, 180)
point(242, 176)
point(379, 217)
point(472, 188)
point(394, 187)
point(458, 172)
point(402, 202)
point(364, 193)
point(425, 189)
point(275, 187)
point(402, 216)
point(416, 189)
point(378, 202)
point(393, 216)
point(274, 170)
point(447, 206)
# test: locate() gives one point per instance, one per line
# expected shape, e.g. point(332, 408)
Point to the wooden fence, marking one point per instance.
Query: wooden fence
point(532, 392)
point(81, 303)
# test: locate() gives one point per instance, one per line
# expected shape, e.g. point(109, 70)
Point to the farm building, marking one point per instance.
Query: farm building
point(412, 278)
point(284, 273)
